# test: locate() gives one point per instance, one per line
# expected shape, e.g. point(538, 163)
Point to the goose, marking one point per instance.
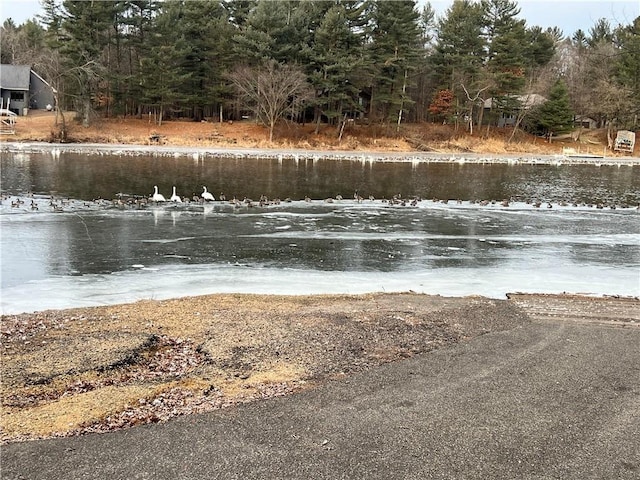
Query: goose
point(207, 195)
point(157, 197)
point(174, 197)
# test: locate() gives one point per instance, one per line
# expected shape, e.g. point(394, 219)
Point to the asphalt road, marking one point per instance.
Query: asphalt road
point(546, 400)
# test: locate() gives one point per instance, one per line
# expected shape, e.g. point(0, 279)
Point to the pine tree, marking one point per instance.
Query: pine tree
point(555, 115)
point(506, 38)
point(163, 78)
point(579, 39)
point(84, 38)
point(600, 33)
point(334, 59)
point(628, 70)
point(239, 11)
point(137, 23)
point(459, 54)
point(396, 50)
point(540, 47)
point(205, 29)
point(277, 31)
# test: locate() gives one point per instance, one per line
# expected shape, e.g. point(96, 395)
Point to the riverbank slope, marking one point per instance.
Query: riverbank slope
point(41, 126)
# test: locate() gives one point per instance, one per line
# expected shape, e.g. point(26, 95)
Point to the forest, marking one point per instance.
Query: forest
point(329, 62)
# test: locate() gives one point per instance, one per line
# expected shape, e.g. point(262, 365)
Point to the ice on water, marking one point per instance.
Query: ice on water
point(100, 253)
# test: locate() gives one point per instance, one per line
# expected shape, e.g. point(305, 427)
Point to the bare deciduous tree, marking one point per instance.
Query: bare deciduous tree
point(272, 91)
point(478, 100)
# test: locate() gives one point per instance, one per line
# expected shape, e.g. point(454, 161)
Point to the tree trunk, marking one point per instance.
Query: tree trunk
point(86, 107)
point(519, 118)
point(62, 135)
point(344, 122)
point(481, 116)
point(404, 91)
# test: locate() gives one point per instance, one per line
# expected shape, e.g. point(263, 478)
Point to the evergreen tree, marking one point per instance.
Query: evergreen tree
point(239, 11)
point(428, 25)
point(376, 56)
point(458, 59)
point(206, 31)
point(556, 34)
point(137, 23)
point(277, 31)
point(84, 38)
point(334, 58)
point(628, 70)
point(396, 51)
point(253, 43)
point(506, 37)
point(424, 84)
point(600, 33)
point(162, 74)
point(555, 115)
point(579, 39)
point(460, 48)
point(540, 47)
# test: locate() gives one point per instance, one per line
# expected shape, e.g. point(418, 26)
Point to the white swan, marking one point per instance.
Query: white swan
point(174, 197)
point(207, 195)
point(157, 197)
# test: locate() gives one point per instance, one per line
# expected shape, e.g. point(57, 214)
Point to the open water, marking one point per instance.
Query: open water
point(65, 242)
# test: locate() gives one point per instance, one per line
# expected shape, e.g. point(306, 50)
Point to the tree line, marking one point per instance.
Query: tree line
point(328, 62)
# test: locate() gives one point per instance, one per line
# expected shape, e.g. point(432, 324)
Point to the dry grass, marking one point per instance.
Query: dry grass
point(70, 412)
point(40, 126)
point(102, 368)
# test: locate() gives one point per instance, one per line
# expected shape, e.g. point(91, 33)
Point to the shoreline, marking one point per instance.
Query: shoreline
point(310, 154)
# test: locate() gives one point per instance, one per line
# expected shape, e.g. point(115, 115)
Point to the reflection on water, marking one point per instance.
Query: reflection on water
point(89, 177)
point(94, 252)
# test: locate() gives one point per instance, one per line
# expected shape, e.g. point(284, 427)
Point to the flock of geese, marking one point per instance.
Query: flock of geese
point(207, 196)
point(135, 201)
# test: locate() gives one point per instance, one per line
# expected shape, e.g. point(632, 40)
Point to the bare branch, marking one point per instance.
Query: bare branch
point(272, 91)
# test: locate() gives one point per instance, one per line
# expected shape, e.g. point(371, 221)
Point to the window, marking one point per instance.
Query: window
point(17, 96)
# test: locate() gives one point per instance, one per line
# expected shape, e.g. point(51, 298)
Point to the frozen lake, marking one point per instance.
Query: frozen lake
point(89, 251)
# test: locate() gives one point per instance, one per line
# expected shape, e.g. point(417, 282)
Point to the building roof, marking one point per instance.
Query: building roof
point(528, 101)
point(15, 77)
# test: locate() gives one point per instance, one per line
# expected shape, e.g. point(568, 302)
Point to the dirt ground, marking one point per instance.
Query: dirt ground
point(68, 372)
point(96, 369)
point(41, 126)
